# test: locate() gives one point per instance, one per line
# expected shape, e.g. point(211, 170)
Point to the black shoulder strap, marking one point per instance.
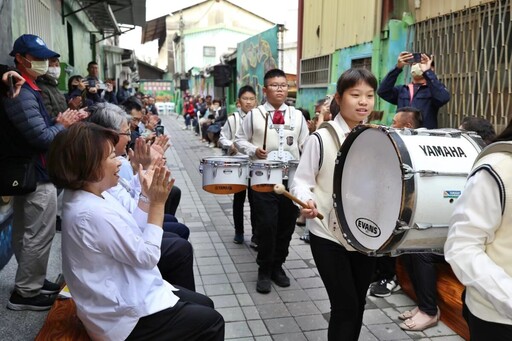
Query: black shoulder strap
point(321, 158)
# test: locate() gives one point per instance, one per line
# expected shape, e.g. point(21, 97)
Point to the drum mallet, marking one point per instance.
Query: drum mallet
point(265, 135)
point(280, 189)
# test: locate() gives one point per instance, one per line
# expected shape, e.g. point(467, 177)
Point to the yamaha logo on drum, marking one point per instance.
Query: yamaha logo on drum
point(368, 227)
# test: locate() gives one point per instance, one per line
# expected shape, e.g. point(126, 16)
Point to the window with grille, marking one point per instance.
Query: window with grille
point(208, 51)
point(472, 53)
point(315, 72)
point(364, 63)
point(38, 14)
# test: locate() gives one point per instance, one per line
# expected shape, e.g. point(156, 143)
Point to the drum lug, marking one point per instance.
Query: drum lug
point(240, 170)
point(400, 227)
point(214, 170)
point(408, 172)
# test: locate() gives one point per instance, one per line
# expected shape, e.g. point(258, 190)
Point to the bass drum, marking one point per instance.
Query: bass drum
point(395, 189)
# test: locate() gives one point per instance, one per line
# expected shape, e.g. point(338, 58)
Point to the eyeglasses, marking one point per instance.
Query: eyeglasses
point(276, 87)
point(126, 133)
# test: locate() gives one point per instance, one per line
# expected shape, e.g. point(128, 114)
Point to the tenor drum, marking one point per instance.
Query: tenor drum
point(291, 168)
point(395, 190)
point(265, 174)
point(224, 175)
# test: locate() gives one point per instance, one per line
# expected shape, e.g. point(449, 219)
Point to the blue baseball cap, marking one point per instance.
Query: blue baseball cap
point(34, 45)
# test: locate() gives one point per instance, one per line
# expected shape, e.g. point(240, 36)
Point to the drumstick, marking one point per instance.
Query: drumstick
point(265, 136)
point(279, 189)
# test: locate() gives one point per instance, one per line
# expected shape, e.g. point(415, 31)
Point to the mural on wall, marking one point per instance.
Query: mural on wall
point(255, 56)
point(6, 211)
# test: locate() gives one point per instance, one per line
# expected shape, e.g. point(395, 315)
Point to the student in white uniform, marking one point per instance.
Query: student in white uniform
point(479, 242)
point(273, 214)
point(109, 256)
point(346, 273)
point(247, 101)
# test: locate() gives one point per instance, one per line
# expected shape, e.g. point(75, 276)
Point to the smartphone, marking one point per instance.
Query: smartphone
point(416, 58)
point(91, 83)
point(159, 130)
point(10, 91)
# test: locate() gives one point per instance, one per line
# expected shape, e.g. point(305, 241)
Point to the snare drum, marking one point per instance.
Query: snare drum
point(224, 175)
point(395, 190)
point(265, 174)
point(291, 168)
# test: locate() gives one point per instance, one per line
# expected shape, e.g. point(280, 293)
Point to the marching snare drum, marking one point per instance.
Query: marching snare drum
point(291, 168)
point(395, 189)
point(265, 174)
point(224, 175)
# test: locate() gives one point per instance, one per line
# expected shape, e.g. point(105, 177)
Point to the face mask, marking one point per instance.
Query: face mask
point(53, 71)
point(38, 68)
point(416, 70)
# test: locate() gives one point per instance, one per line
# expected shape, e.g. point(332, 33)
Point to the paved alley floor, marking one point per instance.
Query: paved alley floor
point(227, 272)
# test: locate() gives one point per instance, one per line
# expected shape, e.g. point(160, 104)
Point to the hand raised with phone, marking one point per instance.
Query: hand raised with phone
point(14, 81)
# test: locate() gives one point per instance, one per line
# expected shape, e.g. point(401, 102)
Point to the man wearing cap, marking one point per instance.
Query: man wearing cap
point(28, 129)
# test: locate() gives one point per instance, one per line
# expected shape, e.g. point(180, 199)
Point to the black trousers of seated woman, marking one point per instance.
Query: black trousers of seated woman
point(173, 200)
point(176, 261)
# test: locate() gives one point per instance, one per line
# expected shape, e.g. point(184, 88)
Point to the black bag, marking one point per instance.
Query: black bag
point(17, 175)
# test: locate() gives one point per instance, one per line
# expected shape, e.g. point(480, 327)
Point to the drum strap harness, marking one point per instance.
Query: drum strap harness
point(334, 134)
point(280, 128)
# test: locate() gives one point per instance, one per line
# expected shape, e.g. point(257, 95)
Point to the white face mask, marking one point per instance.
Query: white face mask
point(38, 68)
point(53, 71)
point(416, 70)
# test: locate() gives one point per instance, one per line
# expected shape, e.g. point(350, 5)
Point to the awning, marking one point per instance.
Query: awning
point(107, 15)
point(154, 29)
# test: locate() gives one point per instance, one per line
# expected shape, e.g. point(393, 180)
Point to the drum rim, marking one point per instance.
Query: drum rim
point(408, 189)
point(266, 164)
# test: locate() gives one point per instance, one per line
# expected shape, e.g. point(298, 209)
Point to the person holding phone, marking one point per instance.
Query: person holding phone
point(425, 92)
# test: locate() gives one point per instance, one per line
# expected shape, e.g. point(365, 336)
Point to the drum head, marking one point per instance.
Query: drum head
point(368, 188)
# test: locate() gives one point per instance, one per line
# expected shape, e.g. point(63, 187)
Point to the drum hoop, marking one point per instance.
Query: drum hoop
point(224, 163)
point(267, 164)
point(408, 190)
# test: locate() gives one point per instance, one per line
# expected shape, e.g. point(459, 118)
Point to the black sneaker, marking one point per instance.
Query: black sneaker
point(384, 288)
point(263, 285)
point(254, 243)
point(279, 277)
point(37, 303)
point(50, 288)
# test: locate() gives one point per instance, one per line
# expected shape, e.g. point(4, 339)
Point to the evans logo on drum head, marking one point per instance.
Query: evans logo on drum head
point(227, 171)
point(258, 173)
point(368, 227)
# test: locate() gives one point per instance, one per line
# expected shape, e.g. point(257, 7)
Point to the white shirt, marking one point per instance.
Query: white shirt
point(227, 136)
point(109, 260)
point(474, 224)
point(126, 170)
point(305, 176)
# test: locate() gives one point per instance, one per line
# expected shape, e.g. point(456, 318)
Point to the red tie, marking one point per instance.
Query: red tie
point(278, 117)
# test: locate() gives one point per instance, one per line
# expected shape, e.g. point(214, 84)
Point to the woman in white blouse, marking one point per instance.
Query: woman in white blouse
point(109, 256)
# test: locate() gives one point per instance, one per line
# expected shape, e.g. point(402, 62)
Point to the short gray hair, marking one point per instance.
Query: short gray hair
point(107, 115)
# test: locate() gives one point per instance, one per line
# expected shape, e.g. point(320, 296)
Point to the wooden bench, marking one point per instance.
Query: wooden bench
point(62, 324)
point(449, 291)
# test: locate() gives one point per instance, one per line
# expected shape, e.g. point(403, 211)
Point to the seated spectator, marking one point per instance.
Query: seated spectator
point(110, 257)
point(216, 117)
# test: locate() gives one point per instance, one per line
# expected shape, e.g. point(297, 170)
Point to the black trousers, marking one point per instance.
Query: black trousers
point(421, 268)
point(346, 276)
point(480, 330)
point(385, 268)
point(192, 318)
point(274, 218)
point(176, 261)
point(238, 210)
point(173, 200)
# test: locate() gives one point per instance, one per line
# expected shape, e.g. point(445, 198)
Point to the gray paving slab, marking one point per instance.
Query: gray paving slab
point(227, 272)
